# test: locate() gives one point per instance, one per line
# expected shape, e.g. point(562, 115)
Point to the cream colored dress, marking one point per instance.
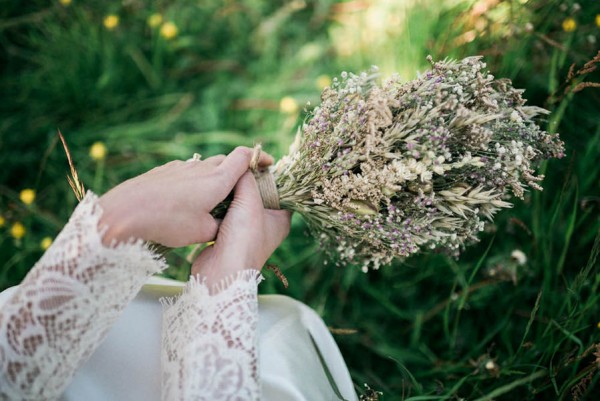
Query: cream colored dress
point(90, 322)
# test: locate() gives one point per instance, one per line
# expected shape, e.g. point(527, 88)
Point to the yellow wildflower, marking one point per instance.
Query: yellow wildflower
point(168, 30)
point(569, 24)
point(98, 151)
point(65, 2)
point(2, 221)
point(27, 196)
point(323, 81)
point(111, 21)
point(17, 230)
point(288, 105)
point(45, 243)
point(598, 20)
point(155, 20)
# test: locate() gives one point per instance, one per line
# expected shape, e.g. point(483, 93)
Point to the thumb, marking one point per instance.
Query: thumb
point(278, 223)
point(236, 164)
point(246, 192)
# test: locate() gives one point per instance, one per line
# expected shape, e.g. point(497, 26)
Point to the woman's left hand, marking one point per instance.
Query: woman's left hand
point(247, 236)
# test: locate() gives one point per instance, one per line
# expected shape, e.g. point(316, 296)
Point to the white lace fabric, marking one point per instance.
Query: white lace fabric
point(209, 349)
point(65, 306)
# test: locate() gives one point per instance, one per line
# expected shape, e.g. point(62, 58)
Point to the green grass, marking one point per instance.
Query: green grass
point(429, 328)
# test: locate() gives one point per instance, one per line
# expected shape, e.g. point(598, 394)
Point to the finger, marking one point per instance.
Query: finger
point(265, 159)
point(234, 166)
point(206, 230)
point(246, 191)
point(278, 223)
point(215, 160)
point(239, 160)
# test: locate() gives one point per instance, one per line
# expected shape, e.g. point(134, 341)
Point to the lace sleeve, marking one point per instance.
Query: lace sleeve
point(209, 349)
point(66, 304)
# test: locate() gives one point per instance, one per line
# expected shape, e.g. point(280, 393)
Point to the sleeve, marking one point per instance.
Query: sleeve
point(66, 304)
point(210, 342)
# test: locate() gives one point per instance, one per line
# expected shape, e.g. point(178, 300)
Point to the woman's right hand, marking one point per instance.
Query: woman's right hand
point(171, 204)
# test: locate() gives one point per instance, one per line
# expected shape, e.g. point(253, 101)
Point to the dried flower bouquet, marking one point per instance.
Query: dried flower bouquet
point(384, 171)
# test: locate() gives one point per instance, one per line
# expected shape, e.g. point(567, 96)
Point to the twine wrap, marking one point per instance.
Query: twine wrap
point(265, 181)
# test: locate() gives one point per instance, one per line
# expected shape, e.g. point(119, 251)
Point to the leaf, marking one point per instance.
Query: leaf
point(330, 379)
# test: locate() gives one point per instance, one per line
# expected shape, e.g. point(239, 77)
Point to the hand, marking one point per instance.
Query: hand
point(247, 236)
point(171, 204)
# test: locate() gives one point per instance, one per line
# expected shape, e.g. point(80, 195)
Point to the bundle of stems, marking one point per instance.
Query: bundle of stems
point(386, 170)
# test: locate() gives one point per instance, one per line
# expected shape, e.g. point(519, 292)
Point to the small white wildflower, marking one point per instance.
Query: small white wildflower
point(439, 170)
point(514, 116)
point(519, 257)
point(518, 160)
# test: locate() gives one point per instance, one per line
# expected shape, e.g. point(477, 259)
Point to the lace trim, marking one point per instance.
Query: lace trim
point(210, 344)
point(66, 305)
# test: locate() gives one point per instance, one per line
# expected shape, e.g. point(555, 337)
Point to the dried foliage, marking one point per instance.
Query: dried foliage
point(73, 179)
point(384, 171)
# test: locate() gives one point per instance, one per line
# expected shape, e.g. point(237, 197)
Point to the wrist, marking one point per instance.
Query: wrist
point(214, 269)
point(118, 224)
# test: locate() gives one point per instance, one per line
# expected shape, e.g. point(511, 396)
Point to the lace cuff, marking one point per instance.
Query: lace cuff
point(210, 344)
point(66, 305)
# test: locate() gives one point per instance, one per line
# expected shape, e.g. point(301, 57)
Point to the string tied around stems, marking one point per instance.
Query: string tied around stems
point(265, 181)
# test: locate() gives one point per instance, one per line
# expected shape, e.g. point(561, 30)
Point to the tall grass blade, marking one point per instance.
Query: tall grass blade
point(509, 387)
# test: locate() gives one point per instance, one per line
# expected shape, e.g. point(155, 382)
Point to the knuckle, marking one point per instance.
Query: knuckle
point(225, 176)
point(172, 164)
point(219, 158)
point(243, 152)
point(242, 149)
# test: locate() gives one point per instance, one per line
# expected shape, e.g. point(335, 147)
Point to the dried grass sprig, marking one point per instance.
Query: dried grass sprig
point(73, 179)
point(387, 170)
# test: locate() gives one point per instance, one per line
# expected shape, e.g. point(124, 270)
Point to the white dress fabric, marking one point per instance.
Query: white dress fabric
point(79, 328)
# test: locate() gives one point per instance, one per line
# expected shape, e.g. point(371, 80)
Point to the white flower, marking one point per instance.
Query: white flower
point(514, 116)
point(518, 160)
point(519, 257)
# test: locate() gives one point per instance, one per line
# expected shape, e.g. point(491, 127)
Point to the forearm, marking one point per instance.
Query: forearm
point(66, 304)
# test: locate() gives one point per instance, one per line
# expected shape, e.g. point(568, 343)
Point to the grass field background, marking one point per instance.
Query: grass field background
point(134, 84)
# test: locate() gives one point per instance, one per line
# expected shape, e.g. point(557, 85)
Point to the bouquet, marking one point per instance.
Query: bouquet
point(385, 171)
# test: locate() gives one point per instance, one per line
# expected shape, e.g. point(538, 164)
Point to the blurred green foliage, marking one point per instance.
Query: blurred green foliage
point(238, 72)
